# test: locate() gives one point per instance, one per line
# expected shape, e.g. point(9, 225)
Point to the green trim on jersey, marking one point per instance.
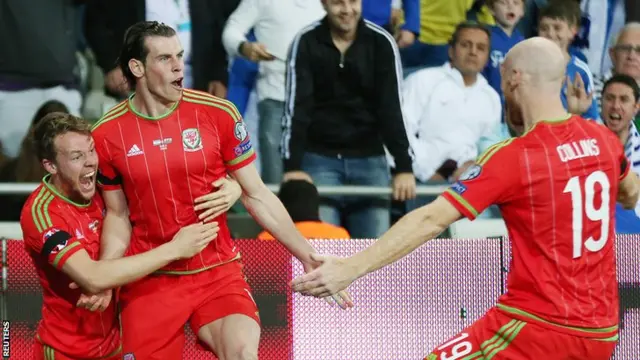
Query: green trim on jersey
point(552, 122)
point(195, 271)
point(41, 217)
point(133, 109)
point(45, 181)
point(240, 158)
point(66, 249)
point(591, 331)
point(462, 202)
point(114, 113)
point(210, 100)
point(492, 150)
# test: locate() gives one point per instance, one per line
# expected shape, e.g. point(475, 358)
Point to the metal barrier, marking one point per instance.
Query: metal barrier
point(17, 188)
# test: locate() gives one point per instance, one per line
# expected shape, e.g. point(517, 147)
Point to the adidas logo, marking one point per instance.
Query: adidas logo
point(135, 150)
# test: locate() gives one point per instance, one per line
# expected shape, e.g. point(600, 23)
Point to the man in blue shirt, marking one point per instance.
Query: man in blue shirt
point(379, 13)
point(504, 35)
point(559, 23)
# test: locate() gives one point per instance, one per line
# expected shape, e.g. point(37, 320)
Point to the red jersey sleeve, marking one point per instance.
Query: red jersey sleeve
point(108, 176)
point(51, 237)
point(490, 181)
point(237, 150)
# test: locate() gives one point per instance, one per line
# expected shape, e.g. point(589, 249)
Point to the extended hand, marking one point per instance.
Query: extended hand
point(578, 101)
point(97, 302)
point(327, 280)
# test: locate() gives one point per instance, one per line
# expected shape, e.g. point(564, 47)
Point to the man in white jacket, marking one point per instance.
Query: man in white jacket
point(449, 109)
point(275, 24)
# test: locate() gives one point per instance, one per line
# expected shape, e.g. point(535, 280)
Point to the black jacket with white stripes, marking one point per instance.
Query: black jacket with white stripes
point(344, 105)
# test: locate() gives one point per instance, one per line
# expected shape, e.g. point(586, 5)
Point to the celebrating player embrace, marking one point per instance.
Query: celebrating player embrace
point(61, 224)
point(556, 186)
point(160, 151)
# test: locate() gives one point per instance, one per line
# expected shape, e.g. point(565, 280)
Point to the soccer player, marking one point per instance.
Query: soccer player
point(61, 222)
point(159, 152)
point(556, 186)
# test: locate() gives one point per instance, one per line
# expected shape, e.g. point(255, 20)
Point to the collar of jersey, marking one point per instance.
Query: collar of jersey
point(550, 122)
point(45, 181)
point(133, 109)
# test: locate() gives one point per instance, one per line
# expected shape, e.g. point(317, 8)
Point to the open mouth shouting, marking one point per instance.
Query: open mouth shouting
point(88, 181)
point(177, 83)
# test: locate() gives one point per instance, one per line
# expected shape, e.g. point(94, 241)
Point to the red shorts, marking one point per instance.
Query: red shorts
point(44, 352)
point(497, 336)
point(154, 310)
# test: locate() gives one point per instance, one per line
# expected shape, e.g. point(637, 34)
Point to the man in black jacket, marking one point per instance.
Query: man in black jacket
point(201, 21)
point(342, 108)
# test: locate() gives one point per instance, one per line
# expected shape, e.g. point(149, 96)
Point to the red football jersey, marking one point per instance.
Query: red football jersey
point(55, 228)
point(556, 187)
point(164, 164)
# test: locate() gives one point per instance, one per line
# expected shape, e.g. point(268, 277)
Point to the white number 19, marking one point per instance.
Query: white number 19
point(600, 214)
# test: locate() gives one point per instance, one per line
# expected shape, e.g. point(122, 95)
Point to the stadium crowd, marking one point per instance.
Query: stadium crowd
point(376, 93)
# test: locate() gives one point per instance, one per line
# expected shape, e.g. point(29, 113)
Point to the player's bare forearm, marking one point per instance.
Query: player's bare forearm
point(108, 274)
point(413, 230)
point(115, 237)
point(116, 230)
point(268, 211)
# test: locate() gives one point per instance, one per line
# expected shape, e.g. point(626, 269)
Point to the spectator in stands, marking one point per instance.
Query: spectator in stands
point(198, 24)
point(342, 106)
point(379, 12)
point(275, 24)
point(601, 21)
point(243, 75)
point(529, 26)
point(25, 168)
point(38, 63)
point(438, 19)
point(625, 54)
point(504, 35)
point(559, 23)
point(620, 104)
point(449, 108)
point(302, 202)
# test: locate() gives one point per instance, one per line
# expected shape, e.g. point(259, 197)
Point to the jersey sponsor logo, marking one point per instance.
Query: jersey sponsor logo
point(458, 188)
point(134, 151)
point(93, 226)
point(240, 131)
point(191, 140)
point(243, 148)
point(471, 173)
point(162, 143)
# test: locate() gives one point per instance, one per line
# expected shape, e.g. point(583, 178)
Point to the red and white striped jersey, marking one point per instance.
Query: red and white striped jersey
point(556, 187)
point(163, 164)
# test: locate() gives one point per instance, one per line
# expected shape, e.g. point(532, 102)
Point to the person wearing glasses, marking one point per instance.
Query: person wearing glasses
point(625, 55)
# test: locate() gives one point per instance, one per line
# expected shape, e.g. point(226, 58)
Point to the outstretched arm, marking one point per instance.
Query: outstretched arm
point(269, 212)
point(413, 230)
